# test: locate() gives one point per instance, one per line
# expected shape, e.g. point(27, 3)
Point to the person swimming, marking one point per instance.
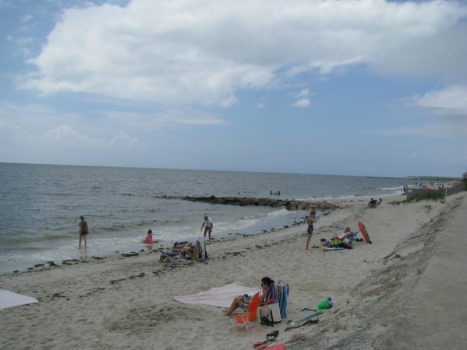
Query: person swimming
point(149, 239)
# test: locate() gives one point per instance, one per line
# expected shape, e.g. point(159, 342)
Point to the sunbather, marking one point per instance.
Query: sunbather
point(343, 240)
point(269, 294)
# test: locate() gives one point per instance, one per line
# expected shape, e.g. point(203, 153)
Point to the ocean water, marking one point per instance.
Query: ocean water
point(40, 206)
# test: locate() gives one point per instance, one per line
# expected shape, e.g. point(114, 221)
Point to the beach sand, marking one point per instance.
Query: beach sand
point(407, 290)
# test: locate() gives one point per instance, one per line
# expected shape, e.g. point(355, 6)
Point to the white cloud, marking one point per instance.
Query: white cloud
point(261, 105)
point(39, 126)
point(64, 132)
point(303, 102)
point(26, 18)
point(451, 100)
point(122, 140)
point(303, 93)
point(161, 120)
point(302, 99)
point(439, 55)
point(6, 125)
point(203, 52)
point(66, 136)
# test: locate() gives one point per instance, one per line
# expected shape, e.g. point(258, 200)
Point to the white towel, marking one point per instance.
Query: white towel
point(220, 296)
point(10, 299)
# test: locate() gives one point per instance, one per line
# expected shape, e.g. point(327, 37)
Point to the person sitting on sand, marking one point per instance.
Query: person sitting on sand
point(372, 203)
point(187, 251)
point(269, 294)
point(346, 238)
point(343, 240)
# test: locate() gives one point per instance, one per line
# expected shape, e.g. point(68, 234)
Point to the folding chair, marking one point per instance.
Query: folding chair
point(242, 320)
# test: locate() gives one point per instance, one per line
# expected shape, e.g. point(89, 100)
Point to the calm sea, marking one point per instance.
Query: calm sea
point(40, 206)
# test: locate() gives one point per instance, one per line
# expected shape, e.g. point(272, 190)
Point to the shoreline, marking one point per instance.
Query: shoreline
point(128, 302)
point(289, 205)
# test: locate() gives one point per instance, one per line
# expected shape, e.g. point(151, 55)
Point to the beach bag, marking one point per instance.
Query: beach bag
point(270, 314)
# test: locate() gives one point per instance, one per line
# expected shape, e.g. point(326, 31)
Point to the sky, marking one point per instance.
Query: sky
point(345, 87)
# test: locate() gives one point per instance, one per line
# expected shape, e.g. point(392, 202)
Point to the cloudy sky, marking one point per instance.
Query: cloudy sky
point(350, 87)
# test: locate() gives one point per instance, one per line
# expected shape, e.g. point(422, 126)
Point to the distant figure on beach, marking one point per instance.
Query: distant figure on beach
point(83, 231)
point(269, 294)
point(313, 212)
point(372, 203)
point(208, 226)
point(309, 231)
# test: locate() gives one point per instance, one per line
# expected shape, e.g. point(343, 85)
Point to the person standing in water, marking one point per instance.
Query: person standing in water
point(208, 225)
point(83, 231)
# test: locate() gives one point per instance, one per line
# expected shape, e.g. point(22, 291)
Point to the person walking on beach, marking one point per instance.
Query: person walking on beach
point(208, 225)
point(83, 231)
point(309, 231)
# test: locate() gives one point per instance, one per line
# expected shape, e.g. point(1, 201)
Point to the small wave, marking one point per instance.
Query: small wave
point(281, 211)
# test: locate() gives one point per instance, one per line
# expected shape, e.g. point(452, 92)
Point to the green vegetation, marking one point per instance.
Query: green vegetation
point(422, 196)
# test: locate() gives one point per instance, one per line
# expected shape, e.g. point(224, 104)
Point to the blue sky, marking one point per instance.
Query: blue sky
point(348, 87)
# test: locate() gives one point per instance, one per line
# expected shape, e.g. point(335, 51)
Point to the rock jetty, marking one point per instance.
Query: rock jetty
point(291, 204)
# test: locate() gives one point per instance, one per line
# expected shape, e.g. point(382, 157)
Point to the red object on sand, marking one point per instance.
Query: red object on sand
point(276, 347)
point(364, 232)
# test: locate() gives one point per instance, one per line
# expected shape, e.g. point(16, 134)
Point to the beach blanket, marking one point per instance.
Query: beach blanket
point(10, 299)
point(220, 296)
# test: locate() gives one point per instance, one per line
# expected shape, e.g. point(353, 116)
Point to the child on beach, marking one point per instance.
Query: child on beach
point(208, 225)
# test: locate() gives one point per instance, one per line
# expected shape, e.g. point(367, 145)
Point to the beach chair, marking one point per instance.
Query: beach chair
point(244, 319)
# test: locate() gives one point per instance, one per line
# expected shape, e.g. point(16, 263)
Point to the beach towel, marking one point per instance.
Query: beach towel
point(220, 296)
point(11, 299)
point(202, 243)
point(284, 295)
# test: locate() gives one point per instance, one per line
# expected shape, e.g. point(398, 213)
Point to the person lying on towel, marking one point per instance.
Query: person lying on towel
point(269, 294)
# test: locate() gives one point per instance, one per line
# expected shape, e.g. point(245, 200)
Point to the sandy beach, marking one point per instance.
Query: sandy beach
point(406, 290)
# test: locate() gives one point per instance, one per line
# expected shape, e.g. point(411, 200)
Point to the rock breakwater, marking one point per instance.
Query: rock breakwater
point(292, 204)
